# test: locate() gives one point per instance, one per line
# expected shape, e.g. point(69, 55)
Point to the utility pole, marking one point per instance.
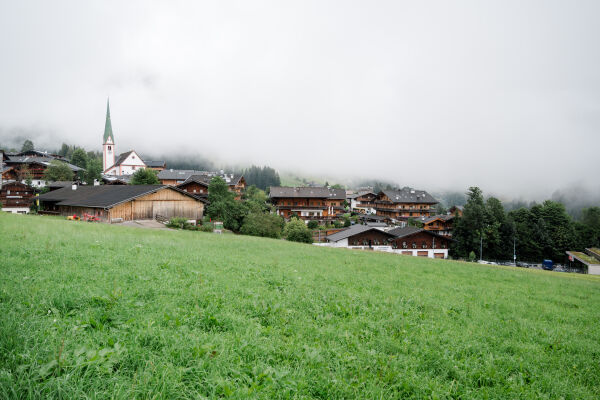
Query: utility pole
point(515, 250)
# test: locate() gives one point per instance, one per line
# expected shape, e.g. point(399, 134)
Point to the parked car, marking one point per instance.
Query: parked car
point(548, 265)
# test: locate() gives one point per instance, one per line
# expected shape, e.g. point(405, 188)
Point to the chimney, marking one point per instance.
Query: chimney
point(74, 186)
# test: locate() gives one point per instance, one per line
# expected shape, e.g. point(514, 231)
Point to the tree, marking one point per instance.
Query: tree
point(296, 231)
point(262, 224)
point(223, 206)
point(145, 176)
point(468, 230)
point(79, 158)
point(255, 199)
point(93, 171)
point(58, 171)
point(263, 178)
point(313, 224)
point(27, 145)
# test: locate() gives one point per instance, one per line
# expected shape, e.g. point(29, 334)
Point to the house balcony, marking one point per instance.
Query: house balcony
point(300, 207)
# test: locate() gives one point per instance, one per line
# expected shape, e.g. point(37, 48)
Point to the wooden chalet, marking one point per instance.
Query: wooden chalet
point(16, 197)
point(456, 211)
point(361, 237)
point(363, 202)
point(33, 164)
point(196, 182)
point(414, 241)
point(440, 224)
point(112, 203)
point(156, 165)
point(404, 204)
point(308, 203)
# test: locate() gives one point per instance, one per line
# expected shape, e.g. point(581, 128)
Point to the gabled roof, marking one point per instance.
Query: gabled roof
point(307, 192)
point(39, 160)
point(104, 196)
point(155, 163)
point(411, 230)
point(442, 217)
point(408, 195)
point(353, 230)
point(203, 180)
point(198, 176)
point(123, 157)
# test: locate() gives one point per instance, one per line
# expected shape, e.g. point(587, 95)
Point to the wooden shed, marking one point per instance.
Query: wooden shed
point(123, 202)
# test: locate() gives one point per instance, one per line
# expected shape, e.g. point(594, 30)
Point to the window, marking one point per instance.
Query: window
point(109, 148)
point(404, 245)
point(443, 245)
point(414, 245)
point(376, 242)
point(424, 245)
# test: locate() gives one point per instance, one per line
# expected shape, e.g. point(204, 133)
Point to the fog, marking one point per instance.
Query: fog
point(436, 95)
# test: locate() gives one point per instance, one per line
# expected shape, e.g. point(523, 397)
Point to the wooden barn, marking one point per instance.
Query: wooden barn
point(113, 203)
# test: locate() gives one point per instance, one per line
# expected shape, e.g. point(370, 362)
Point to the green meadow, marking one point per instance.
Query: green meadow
point(99, 311)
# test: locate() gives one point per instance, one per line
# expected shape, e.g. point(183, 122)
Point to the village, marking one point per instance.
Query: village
point(402, 221)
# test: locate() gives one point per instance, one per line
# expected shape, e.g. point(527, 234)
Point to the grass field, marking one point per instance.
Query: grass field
point(98, 311)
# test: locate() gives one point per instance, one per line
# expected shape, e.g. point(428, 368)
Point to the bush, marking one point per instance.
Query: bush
point(313, 225)
point(207, 227)
point(262, 224)
point(178, 223)
point(472, 256)
point(337, 224)
point(297, 231)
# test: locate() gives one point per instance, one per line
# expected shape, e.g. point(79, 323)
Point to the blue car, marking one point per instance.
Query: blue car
point(548, 265)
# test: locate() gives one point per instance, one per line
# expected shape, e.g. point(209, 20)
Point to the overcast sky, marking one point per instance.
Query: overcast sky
point(431, 94)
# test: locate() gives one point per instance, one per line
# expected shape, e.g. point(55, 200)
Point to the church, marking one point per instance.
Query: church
point(127, 163)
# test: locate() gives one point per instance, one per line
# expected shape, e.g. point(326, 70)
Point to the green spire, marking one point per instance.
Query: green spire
point(108, 133)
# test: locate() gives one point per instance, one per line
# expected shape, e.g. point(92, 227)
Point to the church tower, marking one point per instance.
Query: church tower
point(108, 148)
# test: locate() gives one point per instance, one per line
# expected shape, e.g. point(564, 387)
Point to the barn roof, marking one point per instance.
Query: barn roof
point(408, 195)
point(104, 196)
point(353, 230)
point(411, 230)
point(307, 192)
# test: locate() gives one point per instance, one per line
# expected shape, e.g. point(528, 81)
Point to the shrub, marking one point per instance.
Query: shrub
point(207, 227)
point(337, 224)
point(472, 256)
point(262, 224)
point(178, 223)
point(313, 225)
point(297, 231)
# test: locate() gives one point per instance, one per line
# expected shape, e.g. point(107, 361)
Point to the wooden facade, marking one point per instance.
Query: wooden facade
point(402, 209)
point(370, 238)
point(442, 225)
point(421, 240)
point(16, 195)
point(166, 202)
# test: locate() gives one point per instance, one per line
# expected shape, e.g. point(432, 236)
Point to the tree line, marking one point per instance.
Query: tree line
point(541, 231)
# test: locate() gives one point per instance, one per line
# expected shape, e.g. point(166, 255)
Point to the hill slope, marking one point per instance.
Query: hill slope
point(102, 311)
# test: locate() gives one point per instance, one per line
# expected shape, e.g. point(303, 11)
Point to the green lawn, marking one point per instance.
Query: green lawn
point(97, 311)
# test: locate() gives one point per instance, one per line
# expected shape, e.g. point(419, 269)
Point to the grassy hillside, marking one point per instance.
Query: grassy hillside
point(109, 311)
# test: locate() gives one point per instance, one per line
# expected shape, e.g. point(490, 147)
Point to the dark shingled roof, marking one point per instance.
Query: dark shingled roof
point(105, 196)
point(411, 230)
point(406, 231)
point(122, 157)
point(353, 230)
point(154, 163)
point(443, 217)
point(38, 160)
point(307, 192)
point(408, 195)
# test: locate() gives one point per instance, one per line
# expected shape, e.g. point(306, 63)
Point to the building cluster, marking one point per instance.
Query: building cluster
point(383, 217)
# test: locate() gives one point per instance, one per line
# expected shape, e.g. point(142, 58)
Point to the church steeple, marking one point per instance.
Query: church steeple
point(108, 147)
point(108, 133)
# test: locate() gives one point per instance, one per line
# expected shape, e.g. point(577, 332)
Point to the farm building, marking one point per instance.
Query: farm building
point(407, 241)
point(361, 237)
point(113, 203)
point(414, 241)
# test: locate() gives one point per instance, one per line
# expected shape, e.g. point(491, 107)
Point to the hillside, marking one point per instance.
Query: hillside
point(99, 311)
